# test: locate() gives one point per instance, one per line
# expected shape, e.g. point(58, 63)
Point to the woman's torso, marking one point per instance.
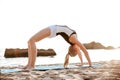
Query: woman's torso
point(62, 30)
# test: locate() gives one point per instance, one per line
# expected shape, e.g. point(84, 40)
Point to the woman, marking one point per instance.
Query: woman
point(68, 34)
point(73, 51)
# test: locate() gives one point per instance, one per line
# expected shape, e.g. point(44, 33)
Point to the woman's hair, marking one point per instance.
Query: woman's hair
point(71, 53)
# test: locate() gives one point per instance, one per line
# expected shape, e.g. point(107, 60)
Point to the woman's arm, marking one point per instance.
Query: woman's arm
point(85, 53)
point(66, 60)
point(80, 57)
point(74, 40)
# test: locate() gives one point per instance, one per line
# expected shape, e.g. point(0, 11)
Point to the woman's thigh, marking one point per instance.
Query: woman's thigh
point(41, 34)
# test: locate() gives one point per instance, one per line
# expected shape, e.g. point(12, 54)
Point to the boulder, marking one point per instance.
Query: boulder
point(94, 45)
point(9, 53)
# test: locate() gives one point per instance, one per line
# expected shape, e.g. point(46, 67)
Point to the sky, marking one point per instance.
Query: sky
point(93, 20)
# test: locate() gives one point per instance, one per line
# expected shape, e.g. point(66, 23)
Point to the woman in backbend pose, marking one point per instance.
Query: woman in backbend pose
point(68, 34)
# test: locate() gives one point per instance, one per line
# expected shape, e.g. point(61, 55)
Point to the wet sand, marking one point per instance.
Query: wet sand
point(110, 70)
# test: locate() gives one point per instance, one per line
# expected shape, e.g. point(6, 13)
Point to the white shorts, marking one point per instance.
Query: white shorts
point(53, 31)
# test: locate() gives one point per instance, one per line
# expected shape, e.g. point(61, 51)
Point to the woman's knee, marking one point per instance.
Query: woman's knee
point(31, 40)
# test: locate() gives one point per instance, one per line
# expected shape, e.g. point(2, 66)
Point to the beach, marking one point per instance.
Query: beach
point(109, 70)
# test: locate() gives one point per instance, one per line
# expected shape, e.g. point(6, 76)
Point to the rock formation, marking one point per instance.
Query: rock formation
point(9, 53)
point(96, 45)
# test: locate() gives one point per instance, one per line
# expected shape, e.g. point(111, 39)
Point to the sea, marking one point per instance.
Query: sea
point(95, 55)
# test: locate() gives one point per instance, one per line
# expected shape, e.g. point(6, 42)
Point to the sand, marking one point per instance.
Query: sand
point(110, 70)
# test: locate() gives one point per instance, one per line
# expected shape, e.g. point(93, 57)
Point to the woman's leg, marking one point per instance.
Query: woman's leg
point(32, 50)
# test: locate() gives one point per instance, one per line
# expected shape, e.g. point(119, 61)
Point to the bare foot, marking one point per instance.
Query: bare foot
point(27, 69)
point(79, 64)
point(24, 67)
